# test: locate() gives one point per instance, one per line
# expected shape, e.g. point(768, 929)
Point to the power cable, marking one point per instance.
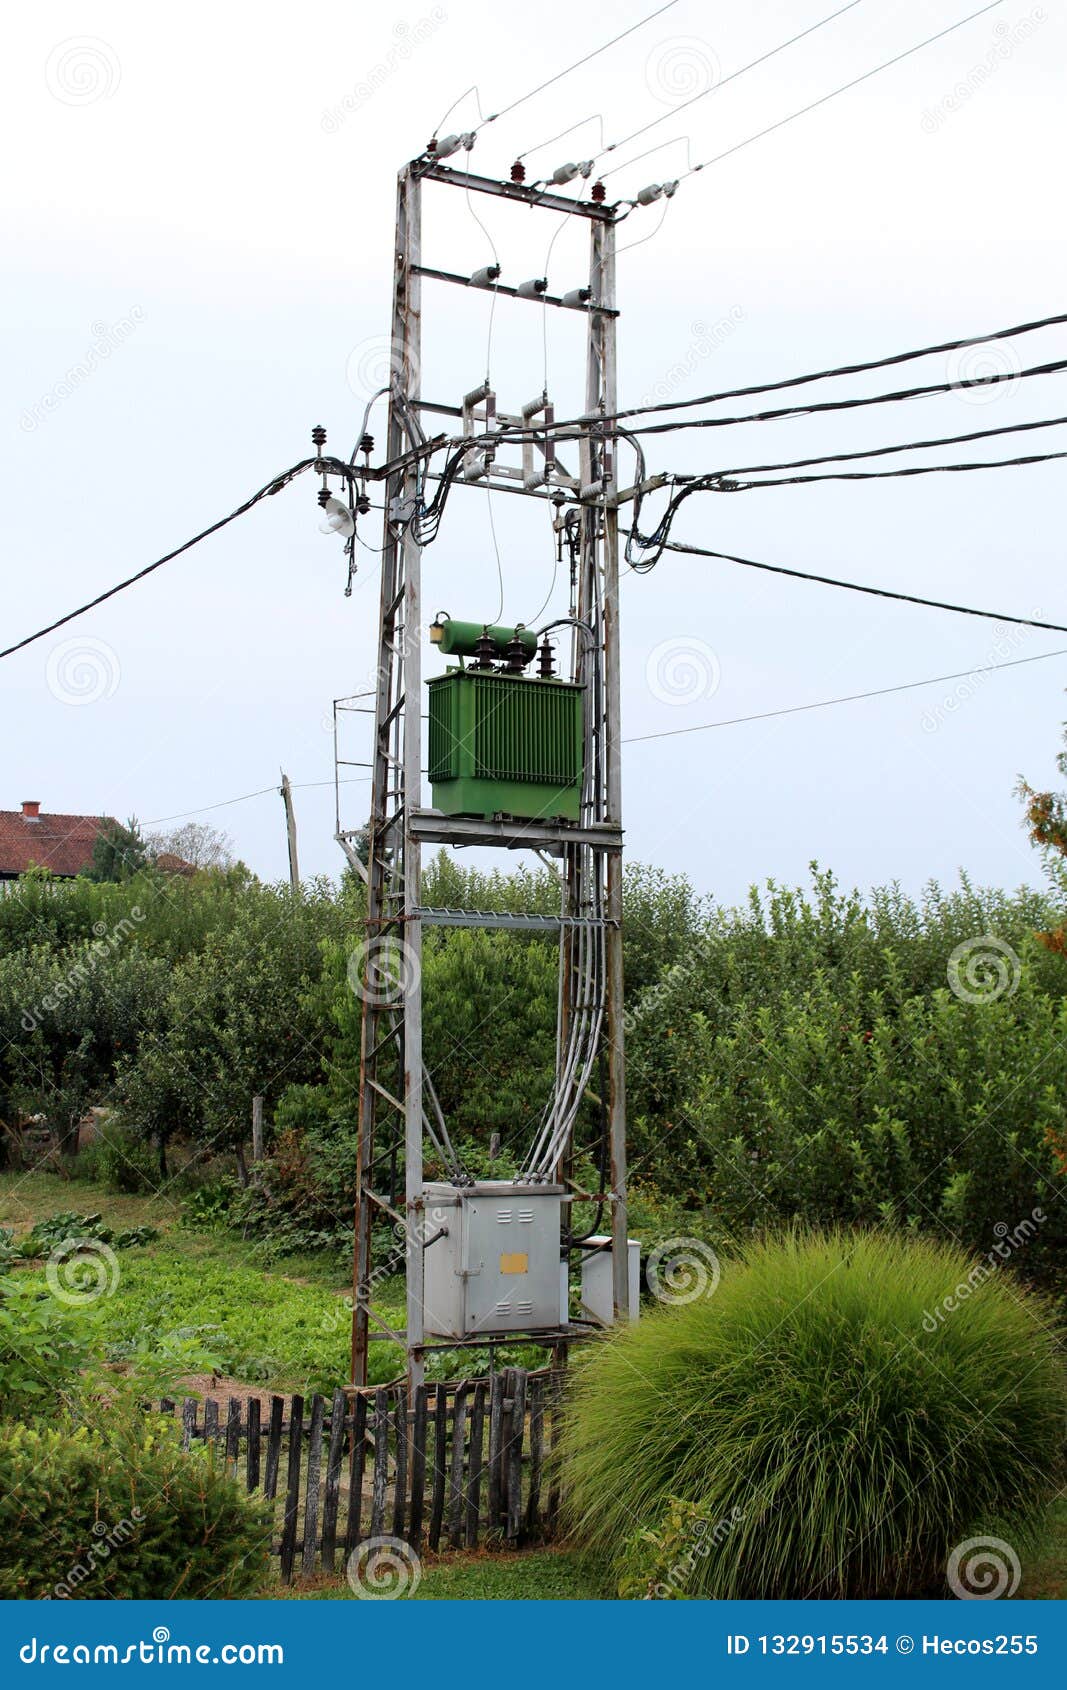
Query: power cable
point(578, 63)
point(572, 429)
point(334, 466)
point(847, 698)
point(704, 92)
point(859, 587)
point(885, 451)
point(844, 88)
point(224, 803)
point(830, 374)
point(892, 474)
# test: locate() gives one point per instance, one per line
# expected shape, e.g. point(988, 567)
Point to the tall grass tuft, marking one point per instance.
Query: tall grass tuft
point(832, 1428)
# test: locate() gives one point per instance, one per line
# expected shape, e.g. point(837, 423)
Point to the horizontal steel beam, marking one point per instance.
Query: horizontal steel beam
point(510, 835)
point(590, 307)
point(535, 198)
point(493, 918)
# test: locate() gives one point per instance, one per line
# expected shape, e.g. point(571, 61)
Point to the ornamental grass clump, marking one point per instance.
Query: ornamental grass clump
point(822, 1425)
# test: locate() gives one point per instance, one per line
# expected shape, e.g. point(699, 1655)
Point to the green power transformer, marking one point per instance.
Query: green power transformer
point(505, 745)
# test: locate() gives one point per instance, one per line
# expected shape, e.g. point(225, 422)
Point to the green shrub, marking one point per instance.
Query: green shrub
point(836, 1429)
point(126, 1514)
point(43, 1348)
point(118, 1159)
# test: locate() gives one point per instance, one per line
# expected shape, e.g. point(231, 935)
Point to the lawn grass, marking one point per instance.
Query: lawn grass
point(27, 1198)
point(537, 1575)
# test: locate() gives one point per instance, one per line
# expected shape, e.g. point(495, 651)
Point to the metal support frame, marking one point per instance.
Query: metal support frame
point(393, 1085)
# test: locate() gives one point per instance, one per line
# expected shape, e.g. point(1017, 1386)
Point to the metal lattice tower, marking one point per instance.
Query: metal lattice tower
point(398, 1107)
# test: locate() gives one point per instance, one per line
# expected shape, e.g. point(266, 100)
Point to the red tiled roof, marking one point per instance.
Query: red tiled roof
point(63, 844)
point(170, 863)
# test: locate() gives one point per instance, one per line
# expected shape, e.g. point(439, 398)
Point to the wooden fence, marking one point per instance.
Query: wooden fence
point(465, 1462)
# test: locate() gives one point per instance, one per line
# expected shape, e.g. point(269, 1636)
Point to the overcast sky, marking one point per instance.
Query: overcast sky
point(198, 211)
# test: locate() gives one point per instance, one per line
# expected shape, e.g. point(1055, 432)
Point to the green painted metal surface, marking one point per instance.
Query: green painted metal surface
point(505, 745)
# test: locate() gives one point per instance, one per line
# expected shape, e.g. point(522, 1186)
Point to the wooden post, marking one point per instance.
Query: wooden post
point(290, 828)
point(257, 1132)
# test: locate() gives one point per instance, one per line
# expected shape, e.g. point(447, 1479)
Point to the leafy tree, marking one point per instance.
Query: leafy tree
point(118, 852)
point(196, 843)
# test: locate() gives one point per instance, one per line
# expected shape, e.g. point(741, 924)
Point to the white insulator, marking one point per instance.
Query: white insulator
point(565, 173)
point(532, 289)
point(451, 144)
point(486, 277)
point(577, 299)
point(649, 195)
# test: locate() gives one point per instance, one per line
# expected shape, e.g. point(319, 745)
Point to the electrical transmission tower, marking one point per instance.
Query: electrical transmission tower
point(483, 1258)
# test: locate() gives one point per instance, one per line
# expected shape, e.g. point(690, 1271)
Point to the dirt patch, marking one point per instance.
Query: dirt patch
point(214, 1387)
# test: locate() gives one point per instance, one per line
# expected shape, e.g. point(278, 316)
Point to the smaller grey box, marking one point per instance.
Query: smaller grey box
point(496, 1269)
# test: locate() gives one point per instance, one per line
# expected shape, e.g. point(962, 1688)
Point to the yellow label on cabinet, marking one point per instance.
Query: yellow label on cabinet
point(517, 1263)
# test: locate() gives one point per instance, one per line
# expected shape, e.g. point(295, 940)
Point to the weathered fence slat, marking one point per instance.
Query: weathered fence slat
point(292, 1488)
point(418, 1465)
point(455, 1490)
point(440, 1465)
point(274, 1447)
point(188, 1421)
point(233, 1435)
point(334, 1453)
point(252, 1456)
point(516, 1436)
point(475, 1465)
point(381, 1463)
point(311, 1498)
point(211, 1423)
point(496, 1430)
point(400, 1476)
point(356, 1462)
point(537, 1444)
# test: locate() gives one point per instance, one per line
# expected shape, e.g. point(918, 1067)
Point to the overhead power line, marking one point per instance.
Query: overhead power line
point(243, 798)
point(887, 451)
point(893, 474)
point(578, 63)
point(860, 587)
point(833, 372)
point(275, 486)
point(715, 86)
point(574, 428)
point(846, 698)
point(844, 88)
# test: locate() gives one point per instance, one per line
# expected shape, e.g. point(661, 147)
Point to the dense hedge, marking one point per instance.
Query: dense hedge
point(123, 1513)
point(833, 1420)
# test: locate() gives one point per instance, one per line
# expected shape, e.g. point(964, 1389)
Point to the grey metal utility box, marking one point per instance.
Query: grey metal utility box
point(597, 1291)
point(497, 1267)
